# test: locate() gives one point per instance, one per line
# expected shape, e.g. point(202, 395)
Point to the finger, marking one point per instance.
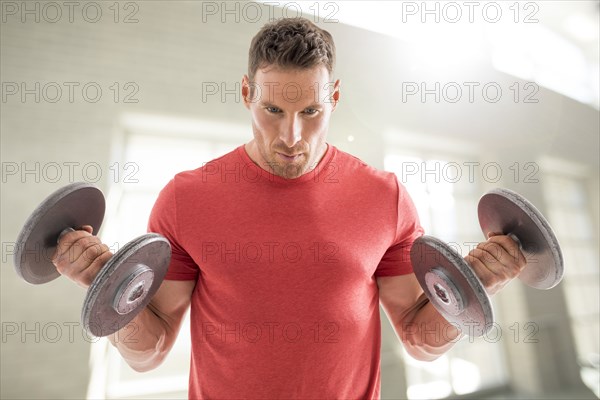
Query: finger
point(489, 254)
point(512, 248)
point(70, 262)
point(66, 242)
point(488, 278)
point(490, 258)
point(66, 239)
point(490, 234)
point(90, 251)
point(88, 275)
point(499, 260)
point(85, 267)
point(83, 253)
point(88, 228)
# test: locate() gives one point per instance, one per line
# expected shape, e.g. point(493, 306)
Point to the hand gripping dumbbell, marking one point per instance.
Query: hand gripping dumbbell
point(124, 285)
point(451, 284)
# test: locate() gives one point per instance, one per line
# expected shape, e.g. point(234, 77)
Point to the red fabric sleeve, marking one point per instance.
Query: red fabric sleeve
point(163, 220)
point(396, 260)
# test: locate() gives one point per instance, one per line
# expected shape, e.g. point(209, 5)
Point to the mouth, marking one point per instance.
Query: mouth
point(289, 157)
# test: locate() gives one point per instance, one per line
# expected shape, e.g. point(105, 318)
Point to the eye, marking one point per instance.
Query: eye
point(273, 110)
point(311, 111)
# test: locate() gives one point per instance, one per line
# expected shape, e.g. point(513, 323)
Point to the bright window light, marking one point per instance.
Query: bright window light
point(429, 390)
point(534, 52)
point(468, 380)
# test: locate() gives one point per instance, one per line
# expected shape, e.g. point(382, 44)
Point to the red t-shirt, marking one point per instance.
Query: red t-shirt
point(286, 304)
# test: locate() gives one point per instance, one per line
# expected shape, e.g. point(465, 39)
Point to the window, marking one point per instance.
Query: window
point(151, 151)
point(570, 215)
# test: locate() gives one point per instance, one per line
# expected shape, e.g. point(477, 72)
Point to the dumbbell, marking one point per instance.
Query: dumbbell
point(450, 282)
point(124, 285)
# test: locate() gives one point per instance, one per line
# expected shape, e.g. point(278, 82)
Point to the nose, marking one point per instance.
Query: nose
point(291, 131)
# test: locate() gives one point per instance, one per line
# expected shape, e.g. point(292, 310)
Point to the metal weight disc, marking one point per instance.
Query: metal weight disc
point(71, 206)
point(126, 284)
point(502, 210)
point(451, 285)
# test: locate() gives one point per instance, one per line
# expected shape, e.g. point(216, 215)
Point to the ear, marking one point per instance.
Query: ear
point(246, 91)
point(335, 95)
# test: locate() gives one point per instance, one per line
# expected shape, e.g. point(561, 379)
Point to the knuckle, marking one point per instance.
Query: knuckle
point(489, 258)
point(476, 265)
point(470, 258)
point(484, 257)
point(87, 276)
point(92, 252)
point(103, 259)
point(90, 273)
point(87, 241)
point(502, 239)
point(485, 280)
point(100, 260)
point(478, 254)
point(489, 247)
point(65, 263)
point(70, 238)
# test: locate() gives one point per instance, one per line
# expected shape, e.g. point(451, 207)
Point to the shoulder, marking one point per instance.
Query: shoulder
point(200, 183)
point(355, 168)
point(209, 171)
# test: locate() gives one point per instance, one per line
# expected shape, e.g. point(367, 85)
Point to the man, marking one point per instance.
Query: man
point(285, 247)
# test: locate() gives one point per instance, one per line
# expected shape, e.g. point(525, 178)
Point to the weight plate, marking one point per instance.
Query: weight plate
point(502, 210)
point(126, 284)
point(71, 206)
point(451, 285)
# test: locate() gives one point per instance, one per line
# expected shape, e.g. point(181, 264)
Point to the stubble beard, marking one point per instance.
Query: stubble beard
point(287, 170)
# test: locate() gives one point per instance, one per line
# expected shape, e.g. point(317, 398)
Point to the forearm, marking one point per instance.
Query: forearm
point(144, 342)
point(426, 335)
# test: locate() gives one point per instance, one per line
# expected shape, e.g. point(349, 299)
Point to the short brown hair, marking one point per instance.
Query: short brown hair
point(291, 43)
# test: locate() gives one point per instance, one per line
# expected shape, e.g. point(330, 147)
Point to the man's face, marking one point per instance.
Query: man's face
point(290, 117)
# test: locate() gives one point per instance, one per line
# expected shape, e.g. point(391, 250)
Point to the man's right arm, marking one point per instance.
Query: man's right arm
point(147, 339)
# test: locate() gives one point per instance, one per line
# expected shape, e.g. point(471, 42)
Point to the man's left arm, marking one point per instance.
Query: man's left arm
point(426, 335)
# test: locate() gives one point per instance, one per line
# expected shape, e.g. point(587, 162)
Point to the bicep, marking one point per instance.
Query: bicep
point(171, 301)
point(406, 306)
point(158, 325)
point(398, 295)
